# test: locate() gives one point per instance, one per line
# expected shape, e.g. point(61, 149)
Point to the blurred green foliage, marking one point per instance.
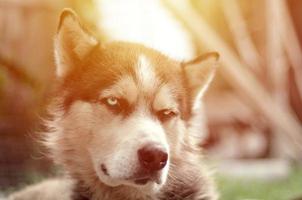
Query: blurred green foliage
point(239, 189)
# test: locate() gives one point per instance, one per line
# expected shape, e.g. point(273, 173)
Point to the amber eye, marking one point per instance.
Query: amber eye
point(166, 114)
point(112, 101)
point(116, 105)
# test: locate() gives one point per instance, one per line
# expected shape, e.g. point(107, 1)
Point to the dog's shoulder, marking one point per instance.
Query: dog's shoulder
point(47, 190)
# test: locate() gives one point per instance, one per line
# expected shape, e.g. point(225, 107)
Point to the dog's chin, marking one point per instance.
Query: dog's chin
point(147, 186)
point(109, 181)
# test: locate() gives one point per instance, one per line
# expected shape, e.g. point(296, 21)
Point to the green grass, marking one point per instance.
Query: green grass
point(238, 189)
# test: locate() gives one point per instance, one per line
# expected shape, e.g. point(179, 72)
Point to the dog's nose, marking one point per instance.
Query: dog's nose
point(152, 158)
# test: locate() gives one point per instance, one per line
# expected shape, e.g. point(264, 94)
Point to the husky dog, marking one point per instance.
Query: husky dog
point(122, 122)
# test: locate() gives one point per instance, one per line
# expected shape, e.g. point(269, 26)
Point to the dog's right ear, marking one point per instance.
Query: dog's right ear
point(199, 73)
point(72, 42)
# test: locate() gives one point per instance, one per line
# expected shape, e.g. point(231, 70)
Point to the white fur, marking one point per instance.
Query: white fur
point(47, 190)
point(130, 135)
point(116, 140)
point(165, 99)
point(197, 103)
point(145, 74)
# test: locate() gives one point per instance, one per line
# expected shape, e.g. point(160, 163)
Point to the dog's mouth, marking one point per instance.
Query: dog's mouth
point(141, 178)
point(142, 181)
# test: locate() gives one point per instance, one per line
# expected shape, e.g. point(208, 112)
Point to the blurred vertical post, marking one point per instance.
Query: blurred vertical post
point(291, 42)
point(245, 46)
point(278, 68)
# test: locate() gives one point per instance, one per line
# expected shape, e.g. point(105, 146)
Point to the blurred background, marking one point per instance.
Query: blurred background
point(254, 107)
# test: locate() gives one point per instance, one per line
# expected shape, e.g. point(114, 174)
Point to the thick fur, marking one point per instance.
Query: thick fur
point(97, 143)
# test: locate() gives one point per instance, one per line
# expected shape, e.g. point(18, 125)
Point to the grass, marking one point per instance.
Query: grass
point(239, 189)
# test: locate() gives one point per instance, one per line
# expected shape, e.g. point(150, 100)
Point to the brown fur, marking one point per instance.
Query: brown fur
point(88, 67)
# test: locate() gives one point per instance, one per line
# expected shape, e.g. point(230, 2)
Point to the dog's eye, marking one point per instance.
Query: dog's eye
point(112, 101)
point(115, 104)
point(166, 114)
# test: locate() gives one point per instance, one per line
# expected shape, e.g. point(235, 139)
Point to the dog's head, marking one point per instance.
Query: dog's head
point(123, 109)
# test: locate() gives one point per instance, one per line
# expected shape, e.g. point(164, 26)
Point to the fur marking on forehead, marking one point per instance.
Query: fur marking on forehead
point(145, 74)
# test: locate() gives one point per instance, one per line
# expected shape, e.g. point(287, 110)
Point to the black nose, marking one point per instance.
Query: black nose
point(152, 158)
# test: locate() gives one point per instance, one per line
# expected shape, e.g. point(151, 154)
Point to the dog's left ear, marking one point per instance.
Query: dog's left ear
point(200, 72)
point(72, 42)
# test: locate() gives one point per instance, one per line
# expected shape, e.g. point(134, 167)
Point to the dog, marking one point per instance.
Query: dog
point(122, 122)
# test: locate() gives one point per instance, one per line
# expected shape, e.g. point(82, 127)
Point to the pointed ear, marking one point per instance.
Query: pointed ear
point(72, 42)
point(200, 72)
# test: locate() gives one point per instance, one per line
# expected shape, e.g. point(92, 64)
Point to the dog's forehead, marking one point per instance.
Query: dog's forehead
point(133, 57)
point(123, 69)
point(143, 72)
point(141, 76)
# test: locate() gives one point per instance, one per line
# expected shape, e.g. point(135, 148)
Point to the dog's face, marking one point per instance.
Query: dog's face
point(124, 108)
